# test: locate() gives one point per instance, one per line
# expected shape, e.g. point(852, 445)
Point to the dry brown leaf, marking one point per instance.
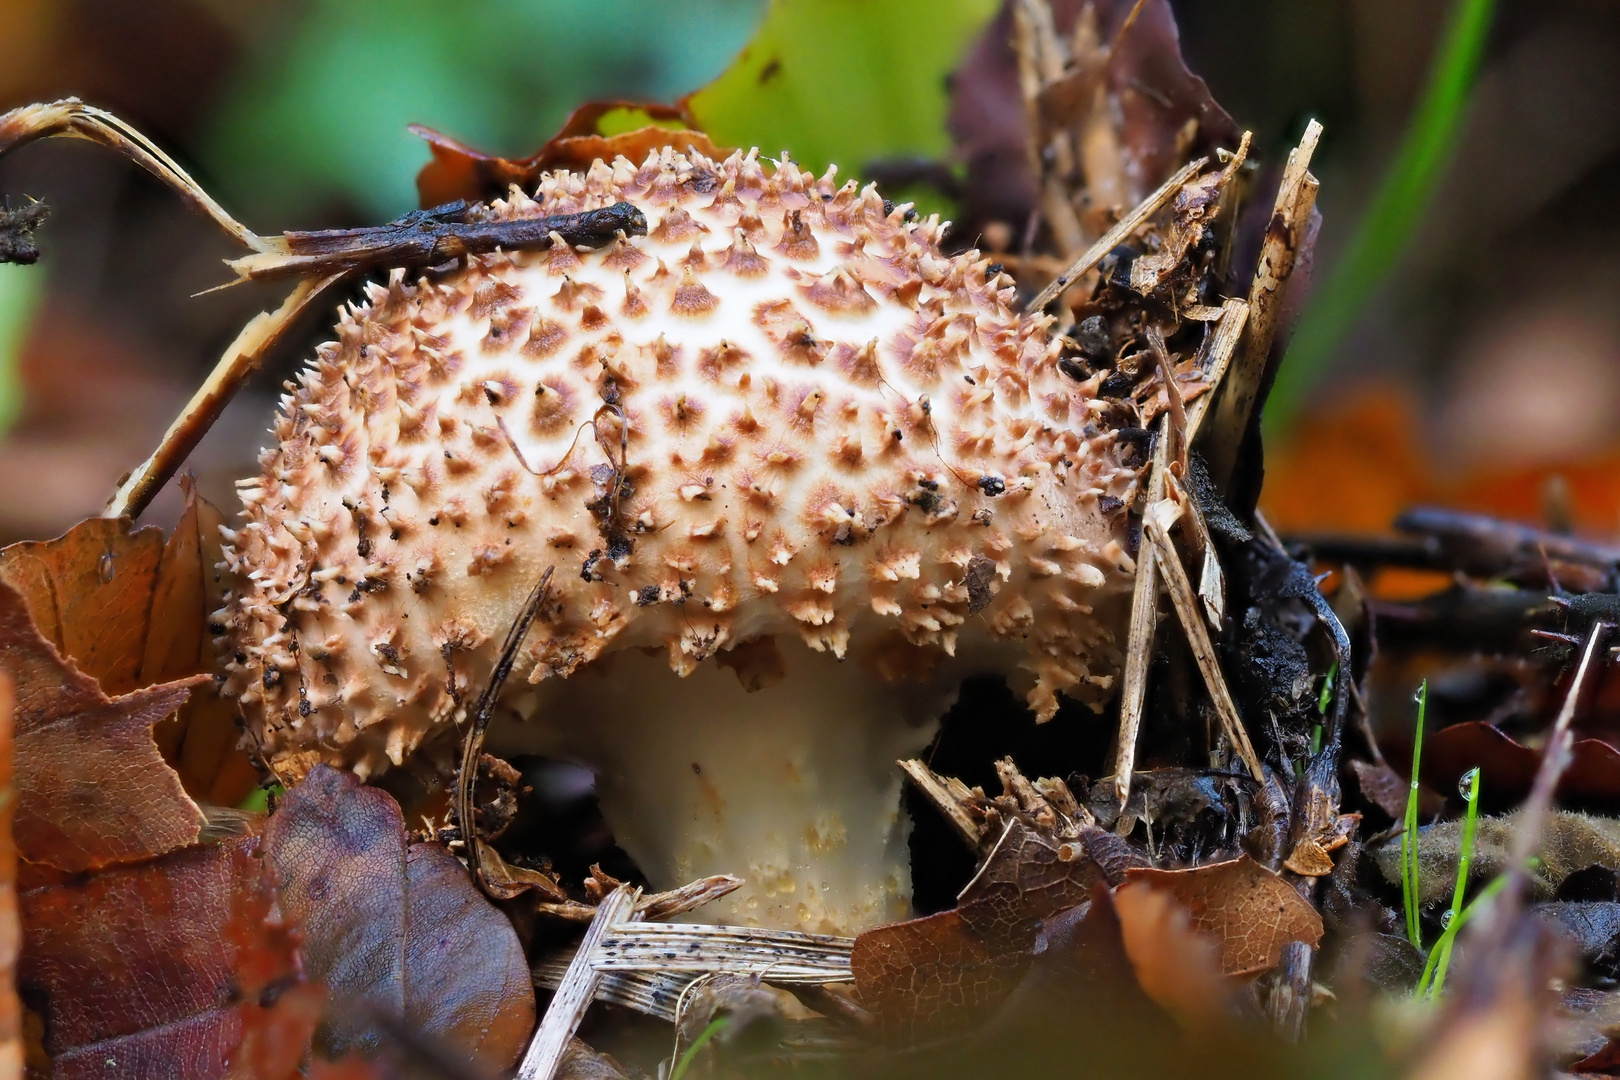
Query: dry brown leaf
point(1179, 968)
point(1251, 911)
point(939, 971)
point(457, 171)
point(130, 610)
point(92, 789)
point(930, 974)
point(90, 594)
point(1309, 859)
point(161, 969)
point(394, 929)
point(11, 1045)
point(203, 740)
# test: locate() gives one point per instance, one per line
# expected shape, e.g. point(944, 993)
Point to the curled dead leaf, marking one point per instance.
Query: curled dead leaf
point(599, 130)
point(130, 610)
point(92, 789)
point(89, 593)
point(394, 929)
point(1248, 909)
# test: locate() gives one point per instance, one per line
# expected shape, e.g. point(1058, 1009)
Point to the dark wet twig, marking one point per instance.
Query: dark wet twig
point(1482, 544)
point(1448, 540)
point(431, 237)
point(483, 713)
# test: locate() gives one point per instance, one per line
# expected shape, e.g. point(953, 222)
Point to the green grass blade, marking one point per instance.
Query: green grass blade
point(1409, 836)
point(1387, 225)
point(1440, 957)
point(714, 1028)
point(1434, 972)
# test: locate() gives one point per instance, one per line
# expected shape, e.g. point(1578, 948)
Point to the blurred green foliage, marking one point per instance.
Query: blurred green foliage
point(846, 81)
point(20, 288)
point(1387, 226)
point(319, 112)
point(317, 115)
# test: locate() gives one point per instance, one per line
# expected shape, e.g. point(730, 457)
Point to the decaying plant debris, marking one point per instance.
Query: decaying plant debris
point(1214, 888)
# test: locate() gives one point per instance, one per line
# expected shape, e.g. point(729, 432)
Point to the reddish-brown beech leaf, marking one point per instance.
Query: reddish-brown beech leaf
point(929, 974)
point(11, 1046)
point(90, 594)
point(202, 740)
point(394, 929)
point(130, 610)
point(92, 789)
point(1250, 911)
point(164, 968)
point(457, 171)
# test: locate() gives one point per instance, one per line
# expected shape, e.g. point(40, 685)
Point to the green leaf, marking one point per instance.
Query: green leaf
point(845, 81)
point(20, 291)
point(623, 119)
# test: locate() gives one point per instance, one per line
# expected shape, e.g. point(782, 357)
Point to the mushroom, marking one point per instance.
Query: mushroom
point(797, 474)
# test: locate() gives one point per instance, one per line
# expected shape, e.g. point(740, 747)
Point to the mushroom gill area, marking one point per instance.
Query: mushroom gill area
point(791, 786)
point(781, 421)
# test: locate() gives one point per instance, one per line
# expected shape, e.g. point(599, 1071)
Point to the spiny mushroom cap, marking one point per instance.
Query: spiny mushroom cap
point(783, 411)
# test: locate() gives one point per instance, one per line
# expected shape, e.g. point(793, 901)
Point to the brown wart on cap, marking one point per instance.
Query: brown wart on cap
point(799, 474)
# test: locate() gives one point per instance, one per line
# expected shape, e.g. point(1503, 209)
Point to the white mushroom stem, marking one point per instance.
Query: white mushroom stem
point(792, 787)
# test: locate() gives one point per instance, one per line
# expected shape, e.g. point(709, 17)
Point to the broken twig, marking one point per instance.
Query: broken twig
point(577, 989)
point(483, 712)
point(1117, 235)
point(1156, 522)
point(432, 237)
point(137, 489)
point(1290, 216)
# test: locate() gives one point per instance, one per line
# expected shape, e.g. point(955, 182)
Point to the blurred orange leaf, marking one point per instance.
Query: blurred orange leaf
point(1179, 968)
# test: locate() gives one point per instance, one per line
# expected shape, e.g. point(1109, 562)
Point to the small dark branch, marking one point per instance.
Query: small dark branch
point(1486, 545)
point(1369, 551)
point(1466, 618)
point(484, 712)
point(17, 232)
point(431, 237)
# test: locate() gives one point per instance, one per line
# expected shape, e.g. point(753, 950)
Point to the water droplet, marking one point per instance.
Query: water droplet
point(1465, 786)
point(1418, 694)
point(1445, 919)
